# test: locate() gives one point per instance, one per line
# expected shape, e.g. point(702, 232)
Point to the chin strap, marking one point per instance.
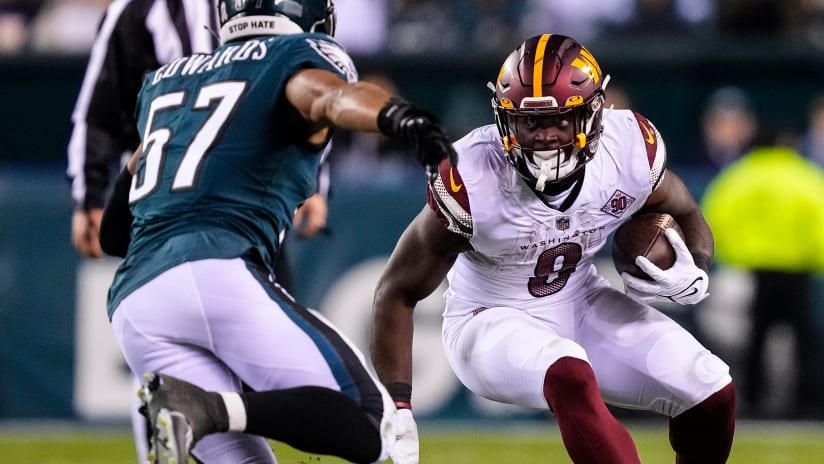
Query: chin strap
point(550, 170)
point(546, 170)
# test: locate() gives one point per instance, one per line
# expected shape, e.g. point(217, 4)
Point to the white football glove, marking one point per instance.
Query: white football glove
point(684, 283)
point(406, 446)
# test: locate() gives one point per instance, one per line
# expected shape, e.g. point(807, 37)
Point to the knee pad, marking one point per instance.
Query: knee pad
point(676, 358)
point(687, 372)
point(709, 369)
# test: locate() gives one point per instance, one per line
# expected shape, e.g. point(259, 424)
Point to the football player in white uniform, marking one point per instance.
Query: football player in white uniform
point(515, 228)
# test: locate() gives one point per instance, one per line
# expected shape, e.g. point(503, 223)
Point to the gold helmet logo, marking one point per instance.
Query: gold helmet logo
point(586, 63)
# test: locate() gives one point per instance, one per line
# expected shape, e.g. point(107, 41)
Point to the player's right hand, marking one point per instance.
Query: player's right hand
point(406, 446)
point(684, 283)
point(86, 232)
point(420, 130)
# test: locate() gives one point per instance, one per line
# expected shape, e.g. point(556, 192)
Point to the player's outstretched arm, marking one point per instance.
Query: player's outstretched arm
point(325, 100)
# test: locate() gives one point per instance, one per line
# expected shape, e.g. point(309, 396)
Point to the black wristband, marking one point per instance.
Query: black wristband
point(400, 392)
point(388, 114)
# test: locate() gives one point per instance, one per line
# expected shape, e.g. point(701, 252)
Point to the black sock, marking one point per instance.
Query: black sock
point(316, 420)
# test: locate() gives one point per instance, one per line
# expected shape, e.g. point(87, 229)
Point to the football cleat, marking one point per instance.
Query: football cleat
point(172, 438)
point(179, 414)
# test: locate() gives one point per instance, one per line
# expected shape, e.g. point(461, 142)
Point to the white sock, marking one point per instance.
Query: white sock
point(236, 410)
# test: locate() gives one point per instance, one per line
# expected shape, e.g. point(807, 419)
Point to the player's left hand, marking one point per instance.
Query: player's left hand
point(420, 130)
point(406, 450)
point(683, 283)
point(311, 217)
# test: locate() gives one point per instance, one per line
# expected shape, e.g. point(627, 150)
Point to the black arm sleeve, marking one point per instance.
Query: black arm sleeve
point(116, 225)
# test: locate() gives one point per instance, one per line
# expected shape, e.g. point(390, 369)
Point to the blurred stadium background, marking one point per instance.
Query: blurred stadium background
point(61, 374)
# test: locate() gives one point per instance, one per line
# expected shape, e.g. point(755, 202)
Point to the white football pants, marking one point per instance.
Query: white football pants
point(217, 323)
point(642, 359)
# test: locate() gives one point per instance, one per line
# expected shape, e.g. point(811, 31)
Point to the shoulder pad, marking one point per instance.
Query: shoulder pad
point(656, 150)
point(449, 199)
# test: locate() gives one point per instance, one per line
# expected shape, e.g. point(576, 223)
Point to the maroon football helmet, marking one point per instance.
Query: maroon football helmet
point(549, 80)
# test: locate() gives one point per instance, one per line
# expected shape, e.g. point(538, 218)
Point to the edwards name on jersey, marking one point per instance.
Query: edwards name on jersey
point(219, 141)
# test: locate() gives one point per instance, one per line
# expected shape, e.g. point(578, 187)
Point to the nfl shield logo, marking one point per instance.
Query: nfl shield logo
point(562, 223)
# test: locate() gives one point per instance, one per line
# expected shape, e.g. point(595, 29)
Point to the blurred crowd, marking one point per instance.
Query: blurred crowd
point(435, 26)
point(763, 203)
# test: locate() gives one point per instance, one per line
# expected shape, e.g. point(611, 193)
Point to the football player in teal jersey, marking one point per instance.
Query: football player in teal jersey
point(230, 146)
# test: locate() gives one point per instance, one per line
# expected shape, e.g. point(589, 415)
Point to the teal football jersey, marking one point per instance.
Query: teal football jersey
point(223, 167)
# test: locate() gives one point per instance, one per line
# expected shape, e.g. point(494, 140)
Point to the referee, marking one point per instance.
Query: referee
point(136, 37)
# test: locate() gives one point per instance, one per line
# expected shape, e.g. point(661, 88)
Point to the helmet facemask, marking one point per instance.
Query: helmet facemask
point(328, 23)
point(542, 165)
point(548, 101)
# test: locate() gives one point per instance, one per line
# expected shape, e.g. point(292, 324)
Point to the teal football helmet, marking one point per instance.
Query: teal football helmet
point(247, 18)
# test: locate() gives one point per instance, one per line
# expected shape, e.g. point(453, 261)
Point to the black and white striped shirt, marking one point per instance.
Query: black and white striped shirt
point(135, 37)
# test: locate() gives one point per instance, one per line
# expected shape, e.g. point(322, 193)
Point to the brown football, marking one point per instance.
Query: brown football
point(643, 235)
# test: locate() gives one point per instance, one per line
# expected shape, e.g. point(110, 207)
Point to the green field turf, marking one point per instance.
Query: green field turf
point(756, 443)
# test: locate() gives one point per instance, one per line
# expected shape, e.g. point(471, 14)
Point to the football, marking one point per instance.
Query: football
point(643, 235)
